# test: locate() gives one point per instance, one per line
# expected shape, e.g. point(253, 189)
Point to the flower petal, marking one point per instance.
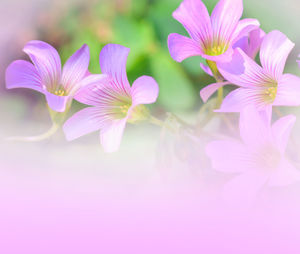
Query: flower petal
point(75, 69)
point(144, 91)
point(113, 58)
point(209, 90)
point(242, 70)
point(182, 47)
point(193, 15)
point(286, 174)
point(274, 52)
point(83, 122)
point(243, 189)
point(234, 160)
point(255, 40)
point(111, 135)
point(22, 74)
point(57, 103)
point(244, 27)
point(46, 61)
point(281, 130)
point(206, 69)
point(225, 18)
point(288, 91)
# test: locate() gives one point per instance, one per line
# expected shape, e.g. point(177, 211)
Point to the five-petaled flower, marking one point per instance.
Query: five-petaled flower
point(262, 87)
point(211, 37)
point(45, 74)
point(259, 157)
point(113, 101)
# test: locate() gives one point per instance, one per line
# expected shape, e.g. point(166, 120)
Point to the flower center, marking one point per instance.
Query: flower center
point(270, 93)
point(269, 158)
point(60, 92)
point(216, 50)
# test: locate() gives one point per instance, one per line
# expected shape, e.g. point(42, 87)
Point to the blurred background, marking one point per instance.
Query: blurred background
point(40, 179)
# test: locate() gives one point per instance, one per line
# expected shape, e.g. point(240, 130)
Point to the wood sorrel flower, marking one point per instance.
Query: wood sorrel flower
point(45, 74)
point(259, 157)
point(211, 37)
point(263, 86)
point(113, 101)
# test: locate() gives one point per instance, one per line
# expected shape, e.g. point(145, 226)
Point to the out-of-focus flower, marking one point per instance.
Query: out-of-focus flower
point(113, 101)
point(264, 86)
point(259, 157)
point(46, 76)
point(250, 44)
point(211, 37)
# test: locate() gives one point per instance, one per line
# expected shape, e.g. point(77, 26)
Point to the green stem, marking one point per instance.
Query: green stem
point(158, 122)
point(220, 97)
point(38, 138)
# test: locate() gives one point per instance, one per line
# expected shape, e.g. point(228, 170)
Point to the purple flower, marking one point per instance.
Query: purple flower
point(46, 76)
point(211, 37)
point(264, 86)
point(259, 158)
point(113, 101)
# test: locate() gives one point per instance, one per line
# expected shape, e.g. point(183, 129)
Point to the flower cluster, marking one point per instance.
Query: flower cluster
point(229, 46)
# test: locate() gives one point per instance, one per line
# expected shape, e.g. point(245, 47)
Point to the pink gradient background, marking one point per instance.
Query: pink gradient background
point(60, 198)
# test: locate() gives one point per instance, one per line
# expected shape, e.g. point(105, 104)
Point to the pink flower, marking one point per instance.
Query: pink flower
point(211, 37)
point(45, 74)
point(262, 87)
point(113, 101)
point(259, 158)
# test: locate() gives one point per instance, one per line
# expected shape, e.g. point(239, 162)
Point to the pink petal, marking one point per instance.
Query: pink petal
point(89, 89)
point(47, 62)
point(243, 189)
point(225, 18)
point(288, 91)
point(244, 27)
point(22, 74)
point(144, 90)
point(254, 129)
point(274, 52)
point(286, 174)
point(182, 47)
point(111, 135)
point(255, 40)
point(281, 130)
point(193, 15)
point(242, 70)
point(113, 60)
point(206, 69)
point(83, 122)
point(57, 103)
point(240, 98)
point(209, 90)
point(75, 69)
point(228, 156)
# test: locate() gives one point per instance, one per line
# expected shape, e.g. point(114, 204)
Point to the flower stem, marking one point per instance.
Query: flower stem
point(220, 97)
point(158, 122)
point(38, 138)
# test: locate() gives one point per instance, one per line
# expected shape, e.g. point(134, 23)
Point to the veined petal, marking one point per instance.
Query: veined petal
point(57, 103)
point(87, 93)
point(144, 91)
point(243, 71)
point(285, 175)
point(209, 90)
point(288, 91)
point(113, 60)
point(240, 98)
point(182, 47)
point(244, 27)
point(234, 160)
point(225, 18)
point(255, 40)
point(281, 130)
point(274, 52)
point(111, 135)
point(206, 69)
point(193, 15)
point(243, 189)
point(22, 74)
point(75, 69)
point(83, 122)
point(46, 61)
point(254, 129)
